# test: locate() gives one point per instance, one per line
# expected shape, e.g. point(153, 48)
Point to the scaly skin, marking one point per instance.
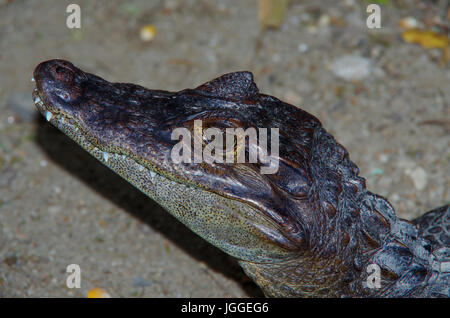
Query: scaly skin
point(310, 230)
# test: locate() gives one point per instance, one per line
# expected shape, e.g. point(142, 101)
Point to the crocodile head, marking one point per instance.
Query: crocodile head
point(297, 232)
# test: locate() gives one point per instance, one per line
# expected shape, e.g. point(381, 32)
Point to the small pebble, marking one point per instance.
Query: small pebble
point(140, 282)
point(408, 23)
point(302, 47)
point(384, 158)
point(97, 292)
point(147, 33)
point(395, 197)
point(376, 171)
point(324, 21)
point(419, 177)
point(351, 67)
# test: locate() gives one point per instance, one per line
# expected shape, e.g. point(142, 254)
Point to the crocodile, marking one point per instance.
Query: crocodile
point(311, 229)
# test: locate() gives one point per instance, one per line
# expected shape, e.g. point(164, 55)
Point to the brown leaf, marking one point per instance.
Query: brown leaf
point(271, 13)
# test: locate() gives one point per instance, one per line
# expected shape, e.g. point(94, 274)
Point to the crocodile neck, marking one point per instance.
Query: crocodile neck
point(407, 268)
point(357, 229)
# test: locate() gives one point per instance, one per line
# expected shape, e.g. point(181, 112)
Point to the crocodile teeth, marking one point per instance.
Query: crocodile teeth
point(152, 174)
point(37, 99)
point(141, 168)
point(32, 79)
point(105, 156)
point(48, 115)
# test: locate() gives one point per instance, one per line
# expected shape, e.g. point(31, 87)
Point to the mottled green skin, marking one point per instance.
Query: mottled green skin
point(310, 230)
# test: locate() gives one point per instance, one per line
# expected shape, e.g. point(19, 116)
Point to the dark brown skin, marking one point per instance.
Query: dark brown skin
point(309, 230)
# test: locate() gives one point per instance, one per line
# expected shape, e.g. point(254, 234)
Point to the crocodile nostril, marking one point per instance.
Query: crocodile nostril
point(62, 73)
point(60, 70)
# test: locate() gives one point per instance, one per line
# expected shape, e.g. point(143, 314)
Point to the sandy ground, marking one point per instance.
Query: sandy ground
point(59, 206)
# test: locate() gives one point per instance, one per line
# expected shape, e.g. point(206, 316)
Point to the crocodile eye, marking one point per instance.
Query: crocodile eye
point(63, 95)
point(217, 142)
point(60, 70)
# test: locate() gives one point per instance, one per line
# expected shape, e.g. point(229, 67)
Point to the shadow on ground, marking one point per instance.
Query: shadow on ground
point(67, 154)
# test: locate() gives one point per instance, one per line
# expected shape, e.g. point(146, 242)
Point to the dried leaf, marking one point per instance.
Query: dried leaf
point(97, 292)
point(429, 40)
point(426, 38)
point(271, 13)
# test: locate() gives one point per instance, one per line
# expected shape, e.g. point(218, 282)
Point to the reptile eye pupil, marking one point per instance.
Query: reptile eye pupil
point(63, 95)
